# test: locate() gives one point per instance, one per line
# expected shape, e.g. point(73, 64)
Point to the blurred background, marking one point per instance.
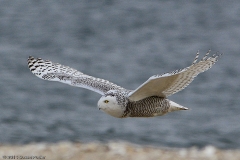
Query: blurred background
point(124, 42)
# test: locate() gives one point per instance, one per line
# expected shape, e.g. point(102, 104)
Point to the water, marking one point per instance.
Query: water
point(126, 43)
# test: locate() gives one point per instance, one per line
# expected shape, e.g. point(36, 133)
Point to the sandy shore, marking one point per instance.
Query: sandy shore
point(110, 151)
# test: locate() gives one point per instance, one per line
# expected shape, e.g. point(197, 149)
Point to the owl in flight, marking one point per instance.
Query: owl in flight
point(148, 100)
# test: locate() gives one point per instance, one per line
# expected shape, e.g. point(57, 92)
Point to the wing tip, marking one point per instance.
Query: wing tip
point(215, 57)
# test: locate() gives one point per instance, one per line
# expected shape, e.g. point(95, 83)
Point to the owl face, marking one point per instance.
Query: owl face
point(109, 105)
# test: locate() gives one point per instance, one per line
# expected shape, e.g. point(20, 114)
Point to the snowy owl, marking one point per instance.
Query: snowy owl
point(148, 100)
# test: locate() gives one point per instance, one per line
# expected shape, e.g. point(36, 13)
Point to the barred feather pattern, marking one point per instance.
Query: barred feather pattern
point(187, 75)
point(148, 107)
point(48, 70)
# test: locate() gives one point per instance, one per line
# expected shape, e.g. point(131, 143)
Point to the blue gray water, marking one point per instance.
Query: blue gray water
point(125, 42)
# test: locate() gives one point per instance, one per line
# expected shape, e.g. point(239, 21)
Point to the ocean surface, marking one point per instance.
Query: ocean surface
point(124, 42)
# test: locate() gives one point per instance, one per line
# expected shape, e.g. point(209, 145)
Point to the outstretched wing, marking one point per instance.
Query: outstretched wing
point(169, 83)
point(48, 70)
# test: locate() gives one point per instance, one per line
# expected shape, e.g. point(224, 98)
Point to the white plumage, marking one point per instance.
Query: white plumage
point(148, 100)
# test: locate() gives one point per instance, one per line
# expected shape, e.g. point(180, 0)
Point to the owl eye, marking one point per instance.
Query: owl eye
point(106, 101)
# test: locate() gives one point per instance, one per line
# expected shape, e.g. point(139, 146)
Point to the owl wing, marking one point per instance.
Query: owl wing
point(167, 84)
point(48, 70)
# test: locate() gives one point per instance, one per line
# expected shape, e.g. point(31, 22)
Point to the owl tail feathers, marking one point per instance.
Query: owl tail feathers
point(175, 107)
